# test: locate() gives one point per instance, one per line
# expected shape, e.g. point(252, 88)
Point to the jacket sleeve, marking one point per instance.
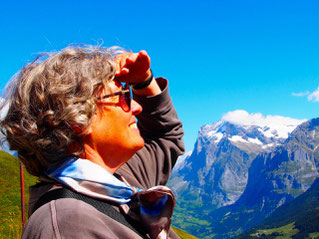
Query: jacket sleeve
point(162, 132)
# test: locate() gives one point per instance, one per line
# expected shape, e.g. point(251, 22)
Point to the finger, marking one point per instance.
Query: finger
point(143, 59)
point(143, 53)
point(123, 61)
point(122, 72)
point(120, 67)
point(131, 59)
point(118, 58)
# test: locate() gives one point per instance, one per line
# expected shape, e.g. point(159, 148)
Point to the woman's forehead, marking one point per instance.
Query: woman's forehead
point(112, 87)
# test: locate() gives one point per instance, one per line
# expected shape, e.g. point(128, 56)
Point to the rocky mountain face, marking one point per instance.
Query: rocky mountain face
point(216, 172)
point(209, 183)
point(274, 178)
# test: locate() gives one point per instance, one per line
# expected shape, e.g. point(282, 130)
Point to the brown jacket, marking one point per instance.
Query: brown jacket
point(150, 166)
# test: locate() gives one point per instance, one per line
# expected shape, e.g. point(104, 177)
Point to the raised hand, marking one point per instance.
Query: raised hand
point(133, 67)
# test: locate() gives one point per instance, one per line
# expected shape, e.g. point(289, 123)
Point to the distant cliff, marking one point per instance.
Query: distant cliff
point(274, 179)
point(212, 188)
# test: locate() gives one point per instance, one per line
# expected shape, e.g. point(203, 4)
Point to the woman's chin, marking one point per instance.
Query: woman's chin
point(138, 144)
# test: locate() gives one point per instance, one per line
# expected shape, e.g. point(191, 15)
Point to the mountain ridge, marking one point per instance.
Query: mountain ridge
point(215, 175)
point(239, 144)
point(274, 179)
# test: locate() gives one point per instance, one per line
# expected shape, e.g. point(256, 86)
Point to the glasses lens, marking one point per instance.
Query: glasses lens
point(126, 99)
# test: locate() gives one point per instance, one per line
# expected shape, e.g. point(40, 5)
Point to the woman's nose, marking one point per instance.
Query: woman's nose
point(136, 107)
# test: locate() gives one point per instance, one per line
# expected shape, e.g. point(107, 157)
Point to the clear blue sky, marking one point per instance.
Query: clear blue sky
point(219, 56)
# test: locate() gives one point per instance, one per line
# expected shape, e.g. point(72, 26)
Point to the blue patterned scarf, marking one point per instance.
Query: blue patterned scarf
point(153, 207)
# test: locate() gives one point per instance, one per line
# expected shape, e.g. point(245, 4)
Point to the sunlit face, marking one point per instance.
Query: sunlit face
point(113, 133)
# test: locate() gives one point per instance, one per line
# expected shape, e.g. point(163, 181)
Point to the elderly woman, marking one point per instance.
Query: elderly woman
point(72, 120)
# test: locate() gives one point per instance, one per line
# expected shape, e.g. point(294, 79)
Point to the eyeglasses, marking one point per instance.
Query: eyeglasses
point(125, 98)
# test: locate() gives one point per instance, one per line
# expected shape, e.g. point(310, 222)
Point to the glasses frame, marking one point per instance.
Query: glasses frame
point(124, 99)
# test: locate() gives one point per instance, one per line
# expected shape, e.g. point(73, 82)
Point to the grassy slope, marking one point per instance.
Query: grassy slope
point(183, 235)
point(10, 204)
point(189, 217)
point(283, 232)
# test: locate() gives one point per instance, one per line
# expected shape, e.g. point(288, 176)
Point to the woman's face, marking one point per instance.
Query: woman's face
point(113, 133)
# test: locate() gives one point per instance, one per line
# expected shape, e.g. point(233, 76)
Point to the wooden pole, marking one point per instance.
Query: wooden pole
point(22, 195)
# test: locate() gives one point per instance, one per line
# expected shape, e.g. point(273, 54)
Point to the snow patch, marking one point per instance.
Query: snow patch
point(268, 145)
point(254, 141)
point(216, 136)
point(270, 125)
point(237, 138)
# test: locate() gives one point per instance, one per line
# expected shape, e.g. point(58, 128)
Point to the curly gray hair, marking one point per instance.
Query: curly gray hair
point(51, 96)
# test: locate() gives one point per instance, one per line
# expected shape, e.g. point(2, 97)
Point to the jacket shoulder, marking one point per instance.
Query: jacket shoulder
point(71, 218)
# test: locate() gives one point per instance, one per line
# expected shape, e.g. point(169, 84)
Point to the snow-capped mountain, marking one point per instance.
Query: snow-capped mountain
point(275, 178)
point(240, 127)
point(216, 173)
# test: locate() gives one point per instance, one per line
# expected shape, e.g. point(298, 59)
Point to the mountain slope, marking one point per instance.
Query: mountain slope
point(215, 174)
point(10, 204)
point(274, 179)
point(302, 212)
